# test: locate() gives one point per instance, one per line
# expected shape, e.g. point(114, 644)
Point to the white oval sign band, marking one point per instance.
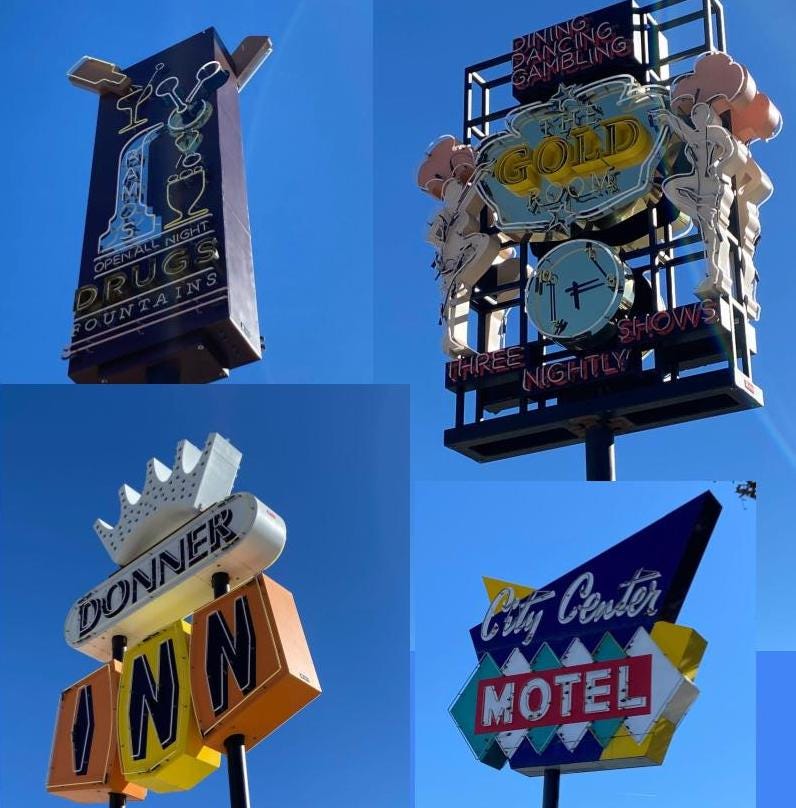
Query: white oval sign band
point(239, 535)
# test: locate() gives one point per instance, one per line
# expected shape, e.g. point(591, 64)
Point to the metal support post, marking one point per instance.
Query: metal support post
point(600, 462)
point(236, 772)
point(235, 744)
point(118, 647)
point(552, 777)
point(163, 373)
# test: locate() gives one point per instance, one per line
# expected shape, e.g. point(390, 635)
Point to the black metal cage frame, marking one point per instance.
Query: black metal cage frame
point(685, 376)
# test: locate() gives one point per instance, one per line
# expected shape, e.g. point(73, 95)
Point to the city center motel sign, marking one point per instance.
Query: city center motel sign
point(590, 671)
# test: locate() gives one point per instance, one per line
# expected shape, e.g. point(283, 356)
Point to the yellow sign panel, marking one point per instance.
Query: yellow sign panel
point(494, 586)
point(618, 143)
point(160, 744)
point(684, 648)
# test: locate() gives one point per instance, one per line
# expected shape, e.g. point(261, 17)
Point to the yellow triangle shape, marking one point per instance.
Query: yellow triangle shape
point(683, 646)
point(494, 586)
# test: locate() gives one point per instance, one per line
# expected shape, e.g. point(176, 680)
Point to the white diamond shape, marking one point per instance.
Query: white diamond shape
point(572, 734)
point(516, 663)
point(576, 654)
point(672, 693)
point(510, 741)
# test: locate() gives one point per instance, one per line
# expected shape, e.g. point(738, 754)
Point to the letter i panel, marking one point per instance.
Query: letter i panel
point(251, 668)
point(84, 765)
point(161, 746)
point(166, 271)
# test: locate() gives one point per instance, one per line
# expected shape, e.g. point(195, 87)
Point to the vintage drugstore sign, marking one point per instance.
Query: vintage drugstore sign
point(588, 153)
point(590, 671)
point(167, 250)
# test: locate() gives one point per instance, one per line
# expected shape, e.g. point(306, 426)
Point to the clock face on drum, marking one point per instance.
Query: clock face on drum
point(576, 292)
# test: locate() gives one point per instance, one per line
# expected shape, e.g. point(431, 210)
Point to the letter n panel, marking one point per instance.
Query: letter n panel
point(84, 764)
point(160, 743)
point(251, 668)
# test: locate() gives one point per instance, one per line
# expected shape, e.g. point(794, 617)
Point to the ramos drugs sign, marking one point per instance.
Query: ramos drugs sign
point(166, 265)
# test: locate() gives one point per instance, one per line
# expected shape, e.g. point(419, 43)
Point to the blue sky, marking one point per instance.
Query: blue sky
point(775, 718)
point(531, 533)
point(340, 483)
point(306, 122)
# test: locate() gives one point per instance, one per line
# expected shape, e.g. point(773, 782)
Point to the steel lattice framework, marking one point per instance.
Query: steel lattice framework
point(686, 376)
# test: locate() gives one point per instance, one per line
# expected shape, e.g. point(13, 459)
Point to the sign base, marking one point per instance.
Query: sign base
point(196, 358)
point(676, 401)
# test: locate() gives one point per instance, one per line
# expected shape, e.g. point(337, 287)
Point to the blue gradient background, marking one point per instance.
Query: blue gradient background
point(341, 484)
point(776, 715)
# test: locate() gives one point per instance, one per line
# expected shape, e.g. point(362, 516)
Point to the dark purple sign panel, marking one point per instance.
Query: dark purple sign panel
point(635, 583)
point(580, 50)
point(166, 270)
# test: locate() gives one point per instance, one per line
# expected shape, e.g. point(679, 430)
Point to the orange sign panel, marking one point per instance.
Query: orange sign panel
point(251, 667)
point(85, 765)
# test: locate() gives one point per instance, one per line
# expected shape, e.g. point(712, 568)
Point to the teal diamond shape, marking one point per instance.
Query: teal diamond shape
point(463, 713)
point(608, 648)
point(545, 659)
point(604, 730)
point(541, 737)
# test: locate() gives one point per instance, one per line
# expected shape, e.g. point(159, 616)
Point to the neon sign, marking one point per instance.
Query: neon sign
point(584, 48)
point(590, 671)
point(588, 152)
point(161, 717)
point(616, 359)
point(617, 688)
point(166, 253)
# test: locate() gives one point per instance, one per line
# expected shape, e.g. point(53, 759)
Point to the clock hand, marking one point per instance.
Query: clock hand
point(596, 263)
point(552, 302)
point(576, 289)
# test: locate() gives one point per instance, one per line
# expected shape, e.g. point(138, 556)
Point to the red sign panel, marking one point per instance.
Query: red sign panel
point(571, 695)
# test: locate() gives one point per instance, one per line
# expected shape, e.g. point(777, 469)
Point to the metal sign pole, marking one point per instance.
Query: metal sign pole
point(164, 373)
point(118, 647)
point(600, 460)
point(552, 777)
point(235, 744)
point(236, 771)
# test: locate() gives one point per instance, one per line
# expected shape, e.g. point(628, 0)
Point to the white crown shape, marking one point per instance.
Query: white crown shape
point(171, 497)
